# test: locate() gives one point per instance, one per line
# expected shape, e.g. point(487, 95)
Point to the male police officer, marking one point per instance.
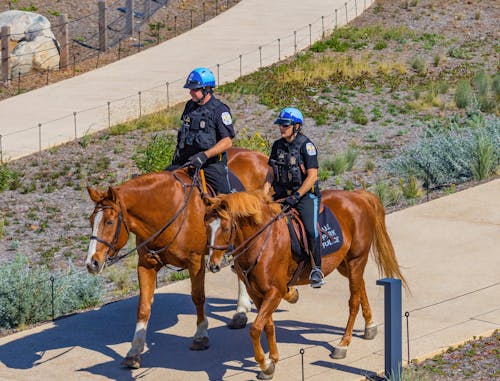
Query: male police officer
point(206, 132)
point(294, 177)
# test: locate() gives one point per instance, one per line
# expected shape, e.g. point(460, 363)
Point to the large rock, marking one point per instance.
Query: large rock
point(35, 45)
point(20, 22)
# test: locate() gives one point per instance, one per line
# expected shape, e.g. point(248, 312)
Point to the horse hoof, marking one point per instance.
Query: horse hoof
point(370, 333)
point(200, 344)
point(133, 362)
point(338, 353)
point(238, 321)
point(292, 296)
point(268, 373)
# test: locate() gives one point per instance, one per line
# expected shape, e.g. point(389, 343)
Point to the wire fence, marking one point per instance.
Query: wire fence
point(167, 92)
point(84, 51)
point(61, 302)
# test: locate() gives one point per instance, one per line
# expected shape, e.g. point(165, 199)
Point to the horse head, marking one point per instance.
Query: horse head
point(109, 229)
point(220, 230)
point(226, 216)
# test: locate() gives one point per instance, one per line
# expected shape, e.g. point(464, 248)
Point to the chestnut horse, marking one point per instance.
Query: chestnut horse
point(165, 211)
point(263, 259)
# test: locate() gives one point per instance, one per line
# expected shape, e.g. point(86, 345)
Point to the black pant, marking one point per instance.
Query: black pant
point(308, 208)
point(216, 174)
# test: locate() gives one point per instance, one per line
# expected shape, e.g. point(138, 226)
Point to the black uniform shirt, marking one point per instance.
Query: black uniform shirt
point(222, 116)
point(308, 151)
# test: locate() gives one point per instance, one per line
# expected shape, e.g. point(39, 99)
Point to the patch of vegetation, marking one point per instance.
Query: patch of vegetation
point(157, 154)
point(465, 150)
point(25, 293)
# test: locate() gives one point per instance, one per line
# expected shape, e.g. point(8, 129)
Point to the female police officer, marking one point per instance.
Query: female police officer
point(294, 178)
point(206, 132)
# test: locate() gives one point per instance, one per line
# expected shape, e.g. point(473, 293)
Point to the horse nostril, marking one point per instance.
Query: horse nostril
point(215, 268)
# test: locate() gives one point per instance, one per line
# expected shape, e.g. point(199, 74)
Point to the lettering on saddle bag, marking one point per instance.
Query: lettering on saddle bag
point(330, 232)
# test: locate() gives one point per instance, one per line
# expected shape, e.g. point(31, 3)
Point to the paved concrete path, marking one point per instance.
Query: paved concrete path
point(220, 41)
point(448, 249)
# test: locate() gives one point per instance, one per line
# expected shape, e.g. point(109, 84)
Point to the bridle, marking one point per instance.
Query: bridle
point(111, 246)
point(154, 253)
point(250, 241)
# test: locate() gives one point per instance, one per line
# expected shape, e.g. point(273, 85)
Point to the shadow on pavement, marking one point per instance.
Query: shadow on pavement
point(114, 324)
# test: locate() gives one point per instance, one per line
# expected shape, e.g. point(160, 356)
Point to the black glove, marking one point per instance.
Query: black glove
point(198, 160)
point(292, 200)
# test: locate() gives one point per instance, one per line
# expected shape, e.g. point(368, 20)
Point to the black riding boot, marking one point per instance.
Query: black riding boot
point(316, 276)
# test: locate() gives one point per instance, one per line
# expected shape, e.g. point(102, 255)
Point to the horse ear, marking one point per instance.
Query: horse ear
point(210, 202)
point(111, 194)
point(95, 194)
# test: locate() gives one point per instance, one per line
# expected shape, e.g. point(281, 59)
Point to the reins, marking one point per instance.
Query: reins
point(247, 244)
point(154, 253)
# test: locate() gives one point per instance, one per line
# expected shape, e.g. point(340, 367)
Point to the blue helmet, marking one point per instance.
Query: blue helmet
point(200, 77)
point(289, 115)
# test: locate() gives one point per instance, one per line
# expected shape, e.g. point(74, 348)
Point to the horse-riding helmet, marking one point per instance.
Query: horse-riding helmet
point(289, 115)
point(199, 78)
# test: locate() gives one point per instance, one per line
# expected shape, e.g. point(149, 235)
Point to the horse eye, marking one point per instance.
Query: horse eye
point(110, 222)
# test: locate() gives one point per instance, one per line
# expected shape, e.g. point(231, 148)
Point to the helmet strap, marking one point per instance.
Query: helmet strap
point(296, 128)
point(205, 91)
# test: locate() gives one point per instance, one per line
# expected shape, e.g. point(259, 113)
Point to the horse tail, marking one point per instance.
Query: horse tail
point(382, 247)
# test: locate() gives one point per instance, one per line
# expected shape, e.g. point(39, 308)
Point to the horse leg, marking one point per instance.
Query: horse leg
point(239, 319)
point(370, 326)
point(197, 276)
point(354, 271)
point(264, 319)
point(147, 283)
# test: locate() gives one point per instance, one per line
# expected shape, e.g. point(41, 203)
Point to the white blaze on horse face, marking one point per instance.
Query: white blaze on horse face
point(95, 231)
point(214, 227)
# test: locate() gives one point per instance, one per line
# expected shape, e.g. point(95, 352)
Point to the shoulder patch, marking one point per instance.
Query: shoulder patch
point(311, 149)
point(226, 118)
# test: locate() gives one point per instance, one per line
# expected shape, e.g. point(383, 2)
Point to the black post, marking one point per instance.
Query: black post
point(74, 122)
point(52, 292)
point(302, 361)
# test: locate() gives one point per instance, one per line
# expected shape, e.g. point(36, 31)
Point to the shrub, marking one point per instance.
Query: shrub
point(255, 142)
point(417, 63)
point(5, 177)
point(342, 162)
point(465, 150)
point(157, 155)
point(358, 115)
point(463, 94)
point(25, 293)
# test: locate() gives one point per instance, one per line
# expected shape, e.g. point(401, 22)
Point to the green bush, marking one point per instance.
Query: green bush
point(25, 293)
point(463, 94)
point(358, 115)
point(157, 155)
point(255, 142)
point(464, 150)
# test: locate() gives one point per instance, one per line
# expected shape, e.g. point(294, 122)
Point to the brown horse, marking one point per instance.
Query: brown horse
point(254, 225)
point(165, 211)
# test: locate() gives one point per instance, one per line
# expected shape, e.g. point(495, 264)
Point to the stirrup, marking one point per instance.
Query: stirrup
point(316, 284)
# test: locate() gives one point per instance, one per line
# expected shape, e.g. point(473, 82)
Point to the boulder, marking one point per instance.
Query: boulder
point(33, 44)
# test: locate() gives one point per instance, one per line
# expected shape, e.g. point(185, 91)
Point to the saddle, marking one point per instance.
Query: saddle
point(330, 236)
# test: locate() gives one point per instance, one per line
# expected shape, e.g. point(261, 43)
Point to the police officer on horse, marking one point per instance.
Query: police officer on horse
point(293, 175)
point(206, 133)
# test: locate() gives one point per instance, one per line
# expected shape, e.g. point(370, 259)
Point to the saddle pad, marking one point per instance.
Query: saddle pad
point(330, 232)
point(235, 183)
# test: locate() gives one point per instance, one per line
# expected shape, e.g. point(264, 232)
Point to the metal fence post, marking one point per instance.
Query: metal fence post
point(39, 137)
point(336, 18)
point(52, 293)
point(1, 150)
point(346, 18)
point(279, 50)
point(393, 327)
point(74, 123)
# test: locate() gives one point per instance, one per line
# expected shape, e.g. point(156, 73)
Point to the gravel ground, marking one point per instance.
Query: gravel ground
point(45, 217)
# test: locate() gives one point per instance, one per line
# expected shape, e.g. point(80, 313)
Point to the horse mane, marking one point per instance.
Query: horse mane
point(248, 205)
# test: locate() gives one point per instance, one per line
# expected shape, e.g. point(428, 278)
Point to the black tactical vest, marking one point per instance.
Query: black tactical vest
point(289, 169)
point(198, 131)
